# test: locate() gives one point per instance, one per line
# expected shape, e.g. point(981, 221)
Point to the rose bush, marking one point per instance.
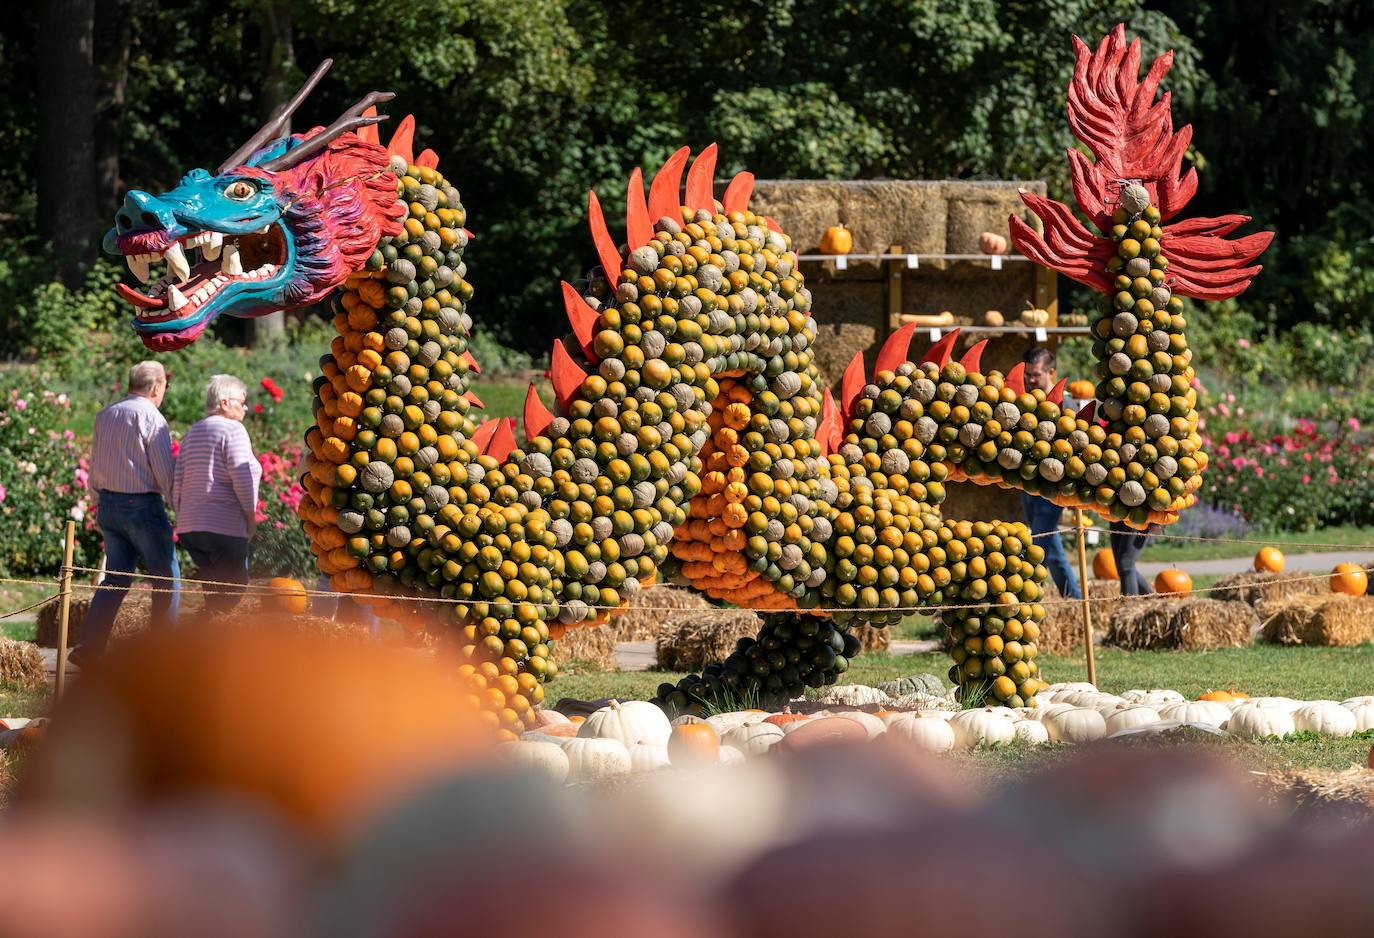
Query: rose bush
point(279, 547)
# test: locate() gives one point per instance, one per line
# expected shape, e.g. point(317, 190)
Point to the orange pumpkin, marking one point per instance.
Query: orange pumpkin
point(288, 594)
point(693, 744)
point(1269, 560)
point(837, 240)
point(1220, 696)
point(1173, 581)
point(1082, 390)
point(1104, 565)
point(782, 719)
point(1350, 579)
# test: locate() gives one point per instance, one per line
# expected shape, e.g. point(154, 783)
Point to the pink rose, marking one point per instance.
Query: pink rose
point(1242, 343)
point(1306, 479)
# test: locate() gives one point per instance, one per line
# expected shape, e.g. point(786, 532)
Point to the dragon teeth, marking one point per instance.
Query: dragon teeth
point(175, 300)
point(139, 265)
point(177, 264)
point(230, 263)
point(211, 245)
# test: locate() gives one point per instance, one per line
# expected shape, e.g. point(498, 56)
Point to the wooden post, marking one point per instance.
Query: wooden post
point(68, 551)
point(1083, 585)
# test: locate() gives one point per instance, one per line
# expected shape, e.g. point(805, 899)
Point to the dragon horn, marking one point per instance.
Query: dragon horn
point(582, 317)
point(605, 248)
point(351, 119)
point(699, 179)
point(1016, 378)
point(503, 440)
point(664, 200)
point(852, 383)
point(736, 198)
point(639, 228)
point(536, 416)
point(894, 350)
point(277, 122)
point(483, 434)
point(941, 351)
point(1056, 395)
point(973, 358)
point(369, 133)
point(567, 377)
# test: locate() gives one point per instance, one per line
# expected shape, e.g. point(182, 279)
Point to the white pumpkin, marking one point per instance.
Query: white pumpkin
point(723, 723)
point(646, 757)
point(1128, 717)
point(1364, 717)
point(534, 736)
point(729, 755)
point(1161, 697)
point(629, 723)
point(1256, 721)
point(925, 733)
point(1325, 717)
point(1031, 733)
point(591, 758)
point(1350, 703)
point(1206, 712)
point(977, 727)
point(1286, 704)
point(1042, 714)
point(1134, 695)
point(545, 757)
point(753, 739)
point(873, 725)
point(546, 717)
point(852, 695)
point(1078, 725)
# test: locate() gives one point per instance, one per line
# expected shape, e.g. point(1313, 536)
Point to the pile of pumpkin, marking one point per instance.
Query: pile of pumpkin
point(1349, 579)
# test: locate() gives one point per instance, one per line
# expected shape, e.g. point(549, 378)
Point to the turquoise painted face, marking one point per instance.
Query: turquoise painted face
point(225, 247)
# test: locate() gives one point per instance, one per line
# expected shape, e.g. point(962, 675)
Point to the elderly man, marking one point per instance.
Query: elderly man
point(217, 482)
point(1042, 515)
point(131, 479)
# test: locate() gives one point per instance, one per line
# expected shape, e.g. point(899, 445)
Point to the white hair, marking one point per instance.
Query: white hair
point(221, 387)
point(145, 376)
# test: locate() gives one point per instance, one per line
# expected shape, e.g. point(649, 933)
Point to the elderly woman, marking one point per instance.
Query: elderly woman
point(216, 492)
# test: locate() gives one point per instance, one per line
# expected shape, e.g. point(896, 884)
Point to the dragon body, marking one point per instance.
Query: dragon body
point(693, 439)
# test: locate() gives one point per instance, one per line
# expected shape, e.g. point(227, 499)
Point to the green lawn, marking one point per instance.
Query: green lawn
point(1354, 538)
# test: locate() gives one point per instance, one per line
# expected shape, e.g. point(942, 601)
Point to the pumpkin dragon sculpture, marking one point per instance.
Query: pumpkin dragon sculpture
point(693, 440)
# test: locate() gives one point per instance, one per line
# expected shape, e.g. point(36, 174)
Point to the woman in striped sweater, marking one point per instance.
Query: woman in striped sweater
point(216, 492)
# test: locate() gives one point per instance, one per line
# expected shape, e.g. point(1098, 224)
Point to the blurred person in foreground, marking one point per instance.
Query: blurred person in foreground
point(217, 478)
point(131, 482)
point(1042, 515)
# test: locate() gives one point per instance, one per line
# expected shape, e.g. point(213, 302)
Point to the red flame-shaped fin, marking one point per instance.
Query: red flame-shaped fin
point(1056, 395)
point(737, 194)
point(852, 383)
point(428, 159)
point(605, 247)
point(473, 399)
point(664, 198)
point(368, 132)
point(583, 318)
point(503, 440)
point(483, 434)
point(536, 416)
point(1016, 378)
point(699, 179)
point(973, 358)
point(472, 362)
point(831, 431)
point(403, 140)
point(941, 351)
point(772, 225)
point(894, 350)
point(566, 376)
point(639, 227)
point(1088, 413)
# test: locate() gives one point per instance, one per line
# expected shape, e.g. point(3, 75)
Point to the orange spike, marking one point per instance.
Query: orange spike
point(665, 199)
point(428, 159)
point(605, 248)
point(894, 350)
point(831, 432)
point(567, 377)
point(639, 228)
point(476, 401)
point(483, 434)
point(402, 141)
point(940, 352)
point(1016, 378)
point(469, 234)
point(852, 383)
point(699, 179)
point(368, 132)
point(1056, 395)
point(583, 318)
point(973, 358)
point(472, 362)
point(772, 225)
point(737, 194)
point(503, 440)
point(536, 417)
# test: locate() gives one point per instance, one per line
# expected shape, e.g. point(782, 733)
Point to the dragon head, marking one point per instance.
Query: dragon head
point(279, 225)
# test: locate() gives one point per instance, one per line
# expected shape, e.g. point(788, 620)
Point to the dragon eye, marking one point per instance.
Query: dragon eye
point(240, 190)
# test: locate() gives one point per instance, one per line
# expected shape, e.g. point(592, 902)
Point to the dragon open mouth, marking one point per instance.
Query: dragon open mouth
point(199, 266)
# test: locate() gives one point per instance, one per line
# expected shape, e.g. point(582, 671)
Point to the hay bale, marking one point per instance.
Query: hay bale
point(21, 665)
point(1330, 619)
point(1348, 791)
point(1258, 587)
point(655, 609)
point(1062, 630)
point(704, 637)
point(872, 640)
point(591, 647)
point(1187, 624)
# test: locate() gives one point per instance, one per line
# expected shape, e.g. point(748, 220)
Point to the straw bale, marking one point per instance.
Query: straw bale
point(1257, 587)
point(1186, 623)
point(1331, 619)
point(592, 647)
point(21, 665)
point(873, 640)
point(654, 610)
point(1062, 630)
point(1349, 791)
point(703, 637)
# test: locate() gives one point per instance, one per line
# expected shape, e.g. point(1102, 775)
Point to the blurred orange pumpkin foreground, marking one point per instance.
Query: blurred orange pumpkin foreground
point(319, 728)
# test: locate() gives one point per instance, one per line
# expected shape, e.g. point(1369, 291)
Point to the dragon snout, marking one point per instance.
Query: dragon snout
point(143, 212)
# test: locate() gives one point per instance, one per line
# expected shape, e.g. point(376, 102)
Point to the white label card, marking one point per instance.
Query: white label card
point(912, 262)
point(997, 262)
point(841, 263)
point(1092, 537)
point(935, 335)
point(1040, 334)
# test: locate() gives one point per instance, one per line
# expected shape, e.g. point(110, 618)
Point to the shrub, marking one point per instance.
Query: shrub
point(280, 547)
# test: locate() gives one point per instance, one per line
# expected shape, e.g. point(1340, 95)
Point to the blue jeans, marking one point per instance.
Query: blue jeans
point(135, 528)
point(221, 559)
point(1043, 517)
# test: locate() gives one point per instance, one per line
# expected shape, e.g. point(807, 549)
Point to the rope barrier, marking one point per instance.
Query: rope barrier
point(42, 602)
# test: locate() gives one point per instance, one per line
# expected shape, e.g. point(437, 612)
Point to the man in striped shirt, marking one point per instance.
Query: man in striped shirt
point(131, 479)
point(217, 479)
